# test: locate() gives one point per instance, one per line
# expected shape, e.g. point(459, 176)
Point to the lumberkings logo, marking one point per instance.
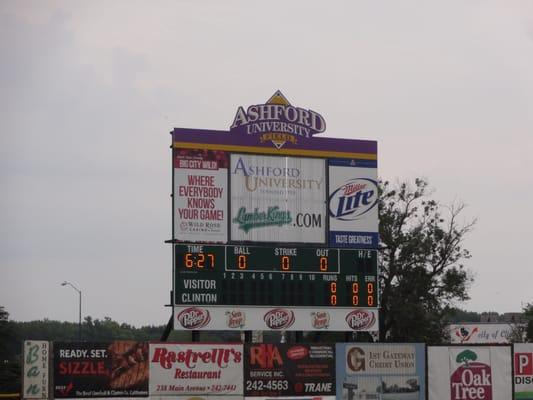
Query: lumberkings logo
point(278, 121)
point(256, 219)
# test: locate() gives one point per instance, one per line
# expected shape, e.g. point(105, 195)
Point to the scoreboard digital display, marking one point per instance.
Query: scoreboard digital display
point(272, 226)
point(275, 276)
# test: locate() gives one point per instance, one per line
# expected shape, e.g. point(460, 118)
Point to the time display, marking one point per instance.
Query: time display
point(275, 276)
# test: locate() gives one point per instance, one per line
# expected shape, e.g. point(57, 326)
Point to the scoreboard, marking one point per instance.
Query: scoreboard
point(275, 276)
point(274, 228)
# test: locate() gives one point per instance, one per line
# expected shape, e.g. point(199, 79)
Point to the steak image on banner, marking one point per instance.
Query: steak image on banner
point(469, 373)
point(380, 371)
point(184, 370)
point(278, 199)
point(200, 195)
point(274, 370)
point(108, 369)
point(523, 371)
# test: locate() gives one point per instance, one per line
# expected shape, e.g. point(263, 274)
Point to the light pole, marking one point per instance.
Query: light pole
point(65, 283)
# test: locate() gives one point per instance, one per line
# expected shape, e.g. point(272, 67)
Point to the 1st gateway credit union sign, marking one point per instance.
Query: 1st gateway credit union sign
point(274, 227)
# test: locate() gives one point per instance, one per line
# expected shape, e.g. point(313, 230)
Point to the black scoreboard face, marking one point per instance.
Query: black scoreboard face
point(275, 276)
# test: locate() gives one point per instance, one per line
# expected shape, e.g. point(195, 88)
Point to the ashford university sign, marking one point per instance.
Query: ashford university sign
point(277, 121)
point(272, 183)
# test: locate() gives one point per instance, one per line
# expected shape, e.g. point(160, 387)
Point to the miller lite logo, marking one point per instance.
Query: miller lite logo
point(194, 318)
point(279, 318)
point(360, 319)
point(353, 199)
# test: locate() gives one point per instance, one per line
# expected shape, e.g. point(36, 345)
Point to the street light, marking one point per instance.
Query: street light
point(65, 283)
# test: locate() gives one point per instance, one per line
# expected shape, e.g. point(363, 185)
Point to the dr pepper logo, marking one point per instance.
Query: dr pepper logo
point(472, 380)
point(353, 199)
point(194, 318)
point(360, 319)
point(279, 318)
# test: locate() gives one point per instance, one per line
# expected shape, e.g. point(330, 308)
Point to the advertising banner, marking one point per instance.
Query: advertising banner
point(200, 195)
point(353, 203)
point(277, 199)
point(478, 333)
point(275, 318)
point(523, 371)
point(469, 373)
point(36, 375)
point(380, 371)
point(274, 369)
point(203, 369)
point(107, 369)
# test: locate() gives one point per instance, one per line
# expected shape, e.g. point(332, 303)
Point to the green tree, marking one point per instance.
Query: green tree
point(9, 360)
point(466, 356)
point(528, 315)
point(421, 254)
point(456, 315)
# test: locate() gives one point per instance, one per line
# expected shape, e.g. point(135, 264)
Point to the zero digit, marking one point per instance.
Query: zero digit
point(323, 264)
point(242, 262)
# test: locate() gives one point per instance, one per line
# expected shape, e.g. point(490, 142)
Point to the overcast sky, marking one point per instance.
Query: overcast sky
point(89, 91)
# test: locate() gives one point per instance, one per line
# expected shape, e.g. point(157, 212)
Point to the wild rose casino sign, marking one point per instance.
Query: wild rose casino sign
point(274, 227)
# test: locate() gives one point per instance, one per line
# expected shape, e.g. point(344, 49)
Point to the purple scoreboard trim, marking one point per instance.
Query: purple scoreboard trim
point(276, 143)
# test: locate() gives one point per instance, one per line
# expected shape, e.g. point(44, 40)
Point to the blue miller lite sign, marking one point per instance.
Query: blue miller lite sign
point(353, 204)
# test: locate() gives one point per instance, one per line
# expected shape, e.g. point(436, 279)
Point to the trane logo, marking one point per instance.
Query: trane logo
point(353, 199)
point(279, 318)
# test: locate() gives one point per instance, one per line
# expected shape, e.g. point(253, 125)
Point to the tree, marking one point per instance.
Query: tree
point(421, 258)
point(456, 315)
point(466, 356)
point(528, 315)
point(9, 363)
point(4, 315)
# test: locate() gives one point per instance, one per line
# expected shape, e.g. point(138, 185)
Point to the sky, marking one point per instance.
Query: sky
point(89, 91)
